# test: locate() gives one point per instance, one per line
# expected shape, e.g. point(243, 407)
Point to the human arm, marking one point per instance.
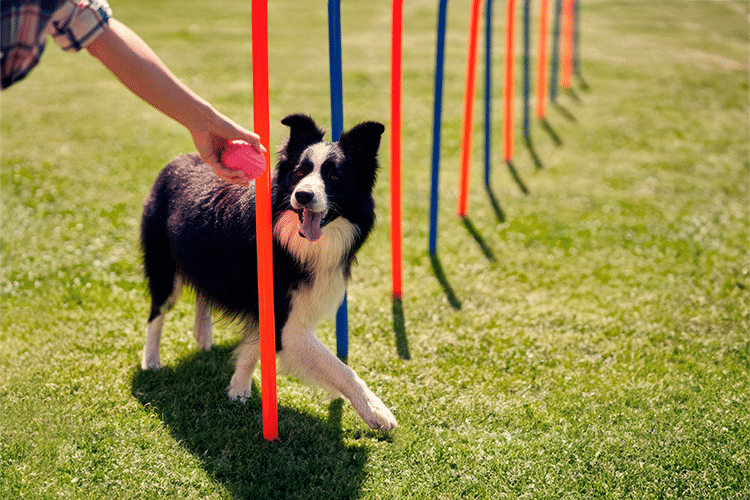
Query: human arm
point(138, 67)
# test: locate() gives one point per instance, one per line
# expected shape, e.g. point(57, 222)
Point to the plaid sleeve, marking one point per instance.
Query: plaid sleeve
point(77, 23)
point(23, 32)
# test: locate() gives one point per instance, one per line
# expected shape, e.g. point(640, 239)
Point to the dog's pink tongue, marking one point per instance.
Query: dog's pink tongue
point(310, 226)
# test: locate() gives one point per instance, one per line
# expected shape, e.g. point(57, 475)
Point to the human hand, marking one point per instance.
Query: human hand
point(210, 141)
point(136, 65)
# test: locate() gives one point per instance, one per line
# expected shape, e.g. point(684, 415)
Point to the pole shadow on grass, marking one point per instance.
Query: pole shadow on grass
point(227, 437)
point(582, 82)
point(565, 112)
point(548, 128)
point(483, 246)
point(399, 327)
point(450, 294)
point(532, 151)
point(571, 92)
point(495, 204)
point(516, 177)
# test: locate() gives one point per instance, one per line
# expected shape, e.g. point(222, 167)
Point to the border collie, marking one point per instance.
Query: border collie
point(200, 231)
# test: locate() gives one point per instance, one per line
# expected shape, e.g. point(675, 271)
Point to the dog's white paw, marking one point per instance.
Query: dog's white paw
point(204, 343)
point(375, 414)
point(204, 327)
point(151, 362)
point(239, 395)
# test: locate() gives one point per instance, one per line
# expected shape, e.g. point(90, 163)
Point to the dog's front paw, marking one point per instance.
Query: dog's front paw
point(375, 414)
point(239, 395)
point(151, 362)
point(382, 419)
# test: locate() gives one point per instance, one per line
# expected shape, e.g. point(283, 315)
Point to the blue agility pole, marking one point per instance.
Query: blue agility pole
point(337, 126)
point(555, 55)
point(526, 43)
point(337, 86)
point(436, 120)
point(487, 92)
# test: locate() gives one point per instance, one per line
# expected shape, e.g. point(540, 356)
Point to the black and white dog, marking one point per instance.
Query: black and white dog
point(199, 230)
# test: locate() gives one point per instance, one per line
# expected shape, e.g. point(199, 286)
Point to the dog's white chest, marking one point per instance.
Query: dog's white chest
point(324, 260)
point(313, 302)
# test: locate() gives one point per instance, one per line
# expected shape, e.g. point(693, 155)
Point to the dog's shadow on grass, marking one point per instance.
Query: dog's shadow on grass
point(310, 460)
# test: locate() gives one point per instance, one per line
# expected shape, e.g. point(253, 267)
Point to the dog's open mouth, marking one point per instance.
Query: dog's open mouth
point(310, 224)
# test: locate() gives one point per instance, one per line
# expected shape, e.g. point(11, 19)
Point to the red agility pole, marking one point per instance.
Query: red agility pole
point(510, 16)
point(263, 222)
point(396, 57)
point(471, 63)
point(567, 43)
point(541, 62)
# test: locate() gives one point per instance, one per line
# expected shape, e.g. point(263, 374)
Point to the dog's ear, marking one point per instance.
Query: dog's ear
point(360, 146)
point(363, 139)
point(303, 133)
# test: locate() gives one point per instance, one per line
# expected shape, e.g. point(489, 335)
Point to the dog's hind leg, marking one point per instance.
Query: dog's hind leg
point(159, 306)
point(204, 327)
point(305, 356)
point(246, 357)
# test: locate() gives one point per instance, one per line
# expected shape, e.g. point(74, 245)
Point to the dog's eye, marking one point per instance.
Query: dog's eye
point(299, 174)
point(334, 177)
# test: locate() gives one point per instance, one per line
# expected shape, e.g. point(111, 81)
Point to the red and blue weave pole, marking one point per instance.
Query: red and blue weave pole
point(468, 119)
point(396, 64)
point(263, 222)
point(337, 126)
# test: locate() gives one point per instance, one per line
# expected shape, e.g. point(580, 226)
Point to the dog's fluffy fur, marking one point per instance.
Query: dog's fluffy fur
point(200, 231)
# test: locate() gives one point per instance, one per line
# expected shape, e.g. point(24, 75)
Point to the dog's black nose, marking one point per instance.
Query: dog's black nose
point(303, 197)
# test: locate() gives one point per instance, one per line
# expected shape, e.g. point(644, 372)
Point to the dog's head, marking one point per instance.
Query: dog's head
point(322, 180)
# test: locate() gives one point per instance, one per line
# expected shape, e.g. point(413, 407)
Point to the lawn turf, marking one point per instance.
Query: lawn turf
point(586, 340)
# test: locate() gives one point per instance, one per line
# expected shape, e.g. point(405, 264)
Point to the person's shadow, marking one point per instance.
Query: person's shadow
point(310, 459)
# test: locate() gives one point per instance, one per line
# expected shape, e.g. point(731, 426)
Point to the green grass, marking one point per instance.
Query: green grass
point(592, 343)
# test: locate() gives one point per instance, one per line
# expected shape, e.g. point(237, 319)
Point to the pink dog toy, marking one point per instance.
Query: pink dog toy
point(240, 155)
